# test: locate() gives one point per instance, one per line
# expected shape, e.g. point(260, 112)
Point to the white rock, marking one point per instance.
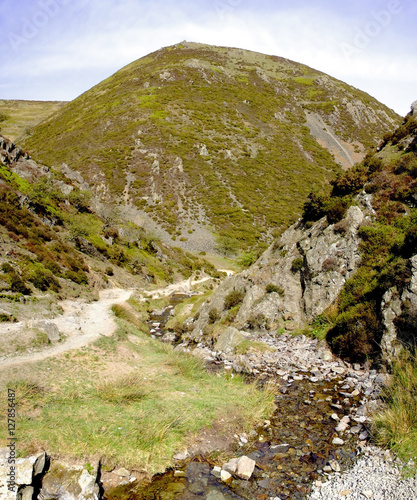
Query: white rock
point(225, 476)
point(338, 441)
point(367, 493)
point(216, 471)
point(245, 467)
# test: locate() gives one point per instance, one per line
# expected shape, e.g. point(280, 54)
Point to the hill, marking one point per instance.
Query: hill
point(17, 118)
point(211, 146)
point(346, 271)
point(54, 245)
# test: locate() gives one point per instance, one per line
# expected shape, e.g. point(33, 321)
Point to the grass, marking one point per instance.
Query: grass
point(258, 170)
point(22, 116)
point(132, 403)
point(395, 427)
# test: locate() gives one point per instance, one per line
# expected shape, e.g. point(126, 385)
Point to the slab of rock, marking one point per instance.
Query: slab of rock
point(50, 329)
point(231, 466)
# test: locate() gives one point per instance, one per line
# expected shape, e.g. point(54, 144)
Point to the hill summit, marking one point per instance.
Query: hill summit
point(211, 146)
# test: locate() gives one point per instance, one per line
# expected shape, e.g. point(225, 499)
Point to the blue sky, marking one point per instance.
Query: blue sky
point(58, 49)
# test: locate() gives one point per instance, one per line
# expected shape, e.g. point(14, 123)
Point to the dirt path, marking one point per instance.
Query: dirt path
point(81, 322)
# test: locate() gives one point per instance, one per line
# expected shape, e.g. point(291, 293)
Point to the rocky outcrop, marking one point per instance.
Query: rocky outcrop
point(296, 279)
point(399, 313)
point(38, 477)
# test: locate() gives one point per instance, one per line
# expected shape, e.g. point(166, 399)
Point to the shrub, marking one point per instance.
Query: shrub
point(257, 321)
point(314, 207)
point(356, 334)
point(213, 315)
point(271, 288)
point(234, 298)
point(44, 279)
point(297, 265)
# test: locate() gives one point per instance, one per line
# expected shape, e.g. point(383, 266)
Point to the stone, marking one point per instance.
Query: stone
point(228, 340)
point(367, 493)
point(364, 435)
point(225, 476)
point(245, 467)
point(216, 471)
point(338, 441)
point(26, 493)
point(50, 329)
point(181, 455)
point(343, 424)
point(334, 464)
point(231, 466)
point(122, 472)
point(280, 448)
point(215, 495)
point(339, 370)
point(39, 465)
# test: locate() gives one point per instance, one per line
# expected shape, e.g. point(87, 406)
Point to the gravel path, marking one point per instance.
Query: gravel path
point(375, 476)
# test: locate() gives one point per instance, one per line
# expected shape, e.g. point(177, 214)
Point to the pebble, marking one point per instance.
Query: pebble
point(338, 441)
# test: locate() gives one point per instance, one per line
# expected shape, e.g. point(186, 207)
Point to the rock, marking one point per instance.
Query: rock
point(24, 470)
point(367, 493)
point(181, 455)
point(364, 435)
point(229, 339)
point(225, 476)
point(245, 467)
point(50, 329)
point(216, 471)
point(215, 495)
point(122, 472)
point(26, 493)
point(231, 466)
point(280, 448)
point(343, 424)
point(63, 482)
point(339, 370)
point(335, 466)
point(338, 441)
point(40, 465)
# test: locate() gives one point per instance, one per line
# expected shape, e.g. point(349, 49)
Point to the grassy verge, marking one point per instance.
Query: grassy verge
point(129, 400)
point(396, 425)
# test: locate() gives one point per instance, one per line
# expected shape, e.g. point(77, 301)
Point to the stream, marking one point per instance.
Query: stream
point(293, 449)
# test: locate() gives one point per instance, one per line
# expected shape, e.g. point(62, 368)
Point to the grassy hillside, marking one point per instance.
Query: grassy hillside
point(17, 118)
point(53, 243)
point(200, 137)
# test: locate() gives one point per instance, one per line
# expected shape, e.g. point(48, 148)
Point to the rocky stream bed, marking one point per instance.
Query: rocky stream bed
point(318, 430)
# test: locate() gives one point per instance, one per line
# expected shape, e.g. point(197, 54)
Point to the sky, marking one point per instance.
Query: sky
point(58, 49)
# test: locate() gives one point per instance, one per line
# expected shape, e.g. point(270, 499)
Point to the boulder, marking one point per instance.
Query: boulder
point(50, 329)
point(229, 339)
point(63, 482)
point(245, 467)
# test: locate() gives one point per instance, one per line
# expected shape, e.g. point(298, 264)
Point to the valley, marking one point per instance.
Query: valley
point(208, 285)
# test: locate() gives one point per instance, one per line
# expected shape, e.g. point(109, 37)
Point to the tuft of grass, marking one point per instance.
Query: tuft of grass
point(395, 426)
point(157, 400)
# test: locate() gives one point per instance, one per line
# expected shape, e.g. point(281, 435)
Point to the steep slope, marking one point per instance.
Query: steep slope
point(348, 267)
point(54, 245)
point(202, 140)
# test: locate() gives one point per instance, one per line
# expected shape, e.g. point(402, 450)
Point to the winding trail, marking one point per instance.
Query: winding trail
point(81, 322)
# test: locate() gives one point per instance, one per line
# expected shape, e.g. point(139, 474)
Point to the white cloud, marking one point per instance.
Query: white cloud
point(92, 39)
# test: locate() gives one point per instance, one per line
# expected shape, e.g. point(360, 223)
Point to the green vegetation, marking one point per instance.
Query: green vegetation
point(396, 425)
point(234, 298)
point(249, 170)
point(388, 241)
point(139, 416)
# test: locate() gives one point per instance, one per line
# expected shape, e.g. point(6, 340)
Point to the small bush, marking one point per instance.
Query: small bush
point(257, 321)
point(297, 265)
point(356, 334)
point(234, 298)
point(213, 315)
point(271, 288)
point(44, 279)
